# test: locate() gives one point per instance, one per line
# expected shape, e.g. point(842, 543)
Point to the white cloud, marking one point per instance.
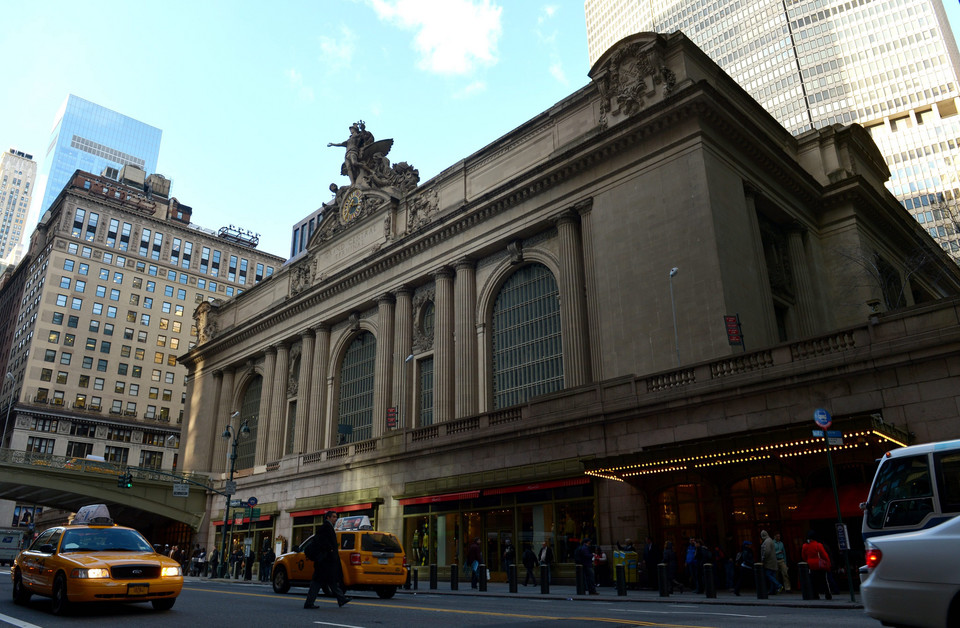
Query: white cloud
point(337, 53)
point(452, 36)
point(473, 88)
point(295, 78)
point(556, 71)
point(547, 38)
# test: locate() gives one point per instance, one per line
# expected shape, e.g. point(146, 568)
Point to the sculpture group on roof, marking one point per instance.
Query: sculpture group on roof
point(366, 165)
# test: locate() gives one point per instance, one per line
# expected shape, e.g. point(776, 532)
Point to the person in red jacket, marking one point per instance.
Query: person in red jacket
point(818, 560)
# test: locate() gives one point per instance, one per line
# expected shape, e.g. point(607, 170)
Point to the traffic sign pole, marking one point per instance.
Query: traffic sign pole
point(822, 418)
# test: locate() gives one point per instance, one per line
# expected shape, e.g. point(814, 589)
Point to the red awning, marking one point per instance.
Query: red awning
point(320, 511)
point(819, 503)
point(239, 521)
point(432, 499)
point(536, 486)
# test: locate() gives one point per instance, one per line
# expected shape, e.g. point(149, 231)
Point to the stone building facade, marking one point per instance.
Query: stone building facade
point(529, 345)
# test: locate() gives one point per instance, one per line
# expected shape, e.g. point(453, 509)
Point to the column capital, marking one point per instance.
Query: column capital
point(386, 298)
point(465, 263)
point(584, 207)
point(567, 217)
point(218, 374)
point(403, 289)
point(307, 333)
point(321, 328)
point(270, 349)
point(444, 272)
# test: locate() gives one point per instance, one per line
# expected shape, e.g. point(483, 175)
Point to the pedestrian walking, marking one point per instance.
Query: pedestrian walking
point(545, 558)
point(530, 563)
point(818, 561)
point(744, 566)
point(768, 556)
point(324, 551)
point(782, 569)
point(474, 555)
point(584, 557)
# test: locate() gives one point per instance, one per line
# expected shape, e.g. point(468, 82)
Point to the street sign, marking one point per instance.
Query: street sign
point(842, 536)
point(734, 333)
point(392, 418)
point(181, 490)
point(834, 437)
point(822, 418)
point(252, 501)
point(236, 503)
point(230, 487)
point(254, 514)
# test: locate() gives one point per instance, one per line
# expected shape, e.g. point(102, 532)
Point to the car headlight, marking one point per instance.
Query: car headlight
point(95, 572)
point(169, 572)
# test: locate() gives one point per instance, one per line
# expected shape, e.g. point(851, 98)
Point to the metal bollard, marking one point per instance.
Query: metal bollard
point(512, 577)
point(621, 579)
point(433, 577)
point(544, 579)
point(416, 577)
point(483, 576)
point(806, 584)
point(709, 584)
point(454, 577)
point(662, 580)
point(581, 585)
point(760, 579)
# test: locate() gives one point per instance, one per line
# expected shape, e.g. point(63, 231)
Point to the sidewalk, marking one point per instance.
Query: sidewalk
point(606, 594)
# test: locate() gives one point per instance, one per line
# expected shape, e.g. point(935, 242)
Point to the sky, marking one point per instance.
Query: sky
point(248, 94)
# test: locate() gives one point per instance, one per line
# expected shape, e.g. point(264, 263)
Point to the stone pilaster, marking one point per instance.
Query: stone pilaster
point(266, 396)
point(276, 445)
point(383, 377)
point(304, 395)
point(573, 305)
point(403, 346)
point(318, 431)
point(806, 300)
point(465, 336)
point(222, 389)
point(585, 209)
point(443, 398)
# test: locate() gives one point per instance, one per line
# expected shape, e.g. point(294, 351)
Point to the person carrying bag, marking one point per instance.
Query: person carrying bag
point(818, 560)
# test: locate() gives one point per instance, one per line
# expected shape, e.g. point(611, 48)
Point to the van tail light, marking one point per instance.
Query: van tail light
point(354, 558)
point(874, 556)
point(404, 561)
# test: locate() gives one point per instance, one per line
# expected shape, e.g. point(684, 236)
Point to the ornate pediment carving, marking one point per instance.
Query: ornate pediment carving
point(629, 76)
point(205, 317)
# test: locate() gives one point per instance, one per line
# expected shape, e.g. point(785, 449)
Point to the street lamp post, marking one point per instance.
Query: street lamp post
point(3, 435)
point(229, 432)
point(673, 306)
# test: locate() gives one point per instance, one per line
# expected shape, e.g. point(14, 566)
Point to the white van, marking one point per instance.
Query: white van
point(10, 541)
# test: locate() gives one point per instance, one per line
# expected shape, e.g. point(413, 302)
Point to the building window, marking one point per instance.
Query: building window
point(76, 449)
point(40, 445)
point(116, 454)
point(527, 352)
point(356, 390)
point(151, 459)
point(249, 409)
point(426, 391)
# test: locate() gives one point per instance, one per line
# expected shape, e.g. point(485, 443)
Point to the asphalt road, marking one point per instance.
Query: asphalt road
point(230, 604)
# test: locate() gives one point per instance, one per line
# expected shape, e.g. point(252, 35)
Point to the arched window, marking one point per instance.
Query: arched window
point(356, 390)
point(293, 393)
point(527, 352)
point(249, 412)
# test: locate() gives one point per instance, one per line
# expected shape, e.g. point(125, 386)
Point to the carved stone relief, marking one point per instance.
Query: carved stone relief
point(629, 77)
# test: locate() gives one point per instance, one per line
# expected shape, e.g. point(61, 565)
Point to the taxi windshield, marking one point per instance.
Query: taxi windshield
point(103, 540)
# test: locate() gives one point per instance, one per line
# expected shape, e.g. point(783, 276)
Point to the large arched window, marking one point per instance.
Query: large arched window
point(527, 352)
point(293, 393)
point(356, 390)
point(249, 411)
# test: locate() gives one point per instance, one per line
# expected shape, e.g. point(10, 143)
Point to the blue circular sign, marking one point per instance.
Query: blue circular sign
point(822, 418)
point(252, 502)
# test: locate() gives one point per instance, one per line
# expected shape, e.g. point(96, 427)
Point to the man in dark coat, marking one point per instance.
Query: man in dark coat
point(325, 554)
point(530, 562)
point(474, 558)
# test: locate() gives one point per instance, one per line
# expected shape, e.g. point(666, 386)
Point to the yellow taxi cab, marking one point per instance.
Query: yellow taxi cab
point(370, 560)
point(94, 560)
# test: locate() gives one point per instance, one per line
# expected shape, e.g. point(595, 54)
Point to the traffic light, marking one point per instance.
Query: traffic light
point(129, 482)
point(125, 480)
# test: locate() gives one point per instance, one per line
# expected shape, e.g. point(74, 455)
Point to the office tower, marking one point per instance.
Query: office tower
point(892, 67)
point(92, 138)
point(18, 173)
point(114, 272)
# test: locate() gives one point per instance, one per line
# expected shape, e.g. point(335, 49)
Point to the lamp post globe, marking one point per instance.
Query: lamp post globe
point(230, 432)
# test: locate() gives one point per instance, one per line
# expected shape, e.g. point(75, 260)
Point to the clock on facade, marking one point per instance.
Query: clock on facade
point(351, 206)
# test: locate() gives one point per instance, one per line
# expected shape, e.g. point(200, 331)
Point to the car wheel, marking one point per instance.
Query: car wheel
point(281, 584)
point(61, 603)
point(20, 593)
point(385, 593)
point(163, 605)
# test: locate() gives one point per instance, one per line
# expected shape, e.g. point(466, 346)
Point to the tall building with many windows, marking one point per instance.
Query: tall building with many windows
point(115, 271)
point(92, 138)
point(18, 174)
point(891, 66)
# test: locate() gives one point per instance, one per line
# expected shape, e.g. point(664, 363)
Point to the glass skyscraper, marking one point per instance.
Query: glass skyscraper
point(89, 137)
point(890, 65)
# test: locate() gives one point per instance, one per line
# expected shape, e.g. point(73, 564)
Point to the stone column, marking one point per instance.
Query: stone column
point(266, 397)
point(585, 209)
point(223, 384)
point(276, 444)
point(769, 323)
point(806, 300)
point(443, 364)
point(304, 394)
point(465, 337)
point(573, 305)
point(403, 347)
point(318, 431)
point(383, 370)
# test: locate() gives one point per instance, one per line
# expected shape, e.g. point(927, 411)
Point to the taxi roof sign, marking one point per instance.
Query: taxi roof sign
point(360, 522)
point(94, 514)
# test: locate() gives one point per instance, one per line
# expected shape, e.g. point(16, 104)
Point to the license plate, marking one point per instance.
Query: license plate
point(383, 561)
point(138, 589)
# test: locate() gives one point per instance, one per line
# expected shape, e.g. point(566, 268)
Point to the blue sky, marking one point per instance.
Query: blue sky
point(248, 94)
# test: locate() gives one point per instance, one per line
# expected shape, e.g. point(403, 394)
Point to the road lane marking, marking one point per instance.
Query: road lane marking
point(13, 621)
point(454, 611)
